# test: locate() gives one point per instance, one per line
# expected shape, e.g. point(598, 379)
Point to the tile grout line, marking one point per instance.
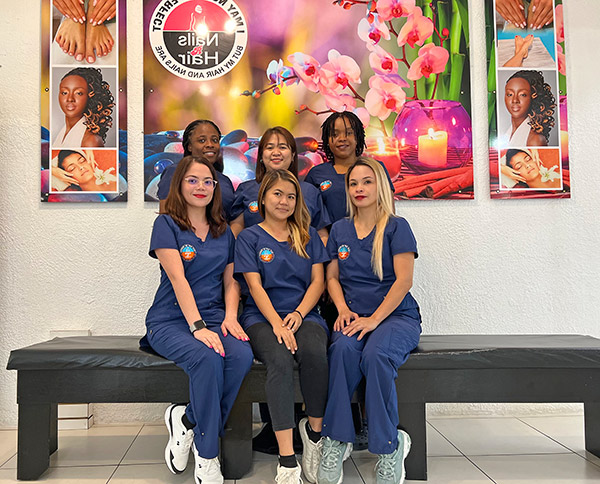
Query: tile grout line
point(462, 453)
point(6, 461)
point(357, 470)
point(125, 453)
point(560, 443)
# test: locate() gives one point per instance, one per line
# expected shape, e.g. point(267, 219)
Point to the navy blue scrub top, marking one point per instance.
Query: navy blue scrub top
point(203, 263)
point(246, 202)
point(363, 291)
point(333, 188)
point(284, 274)
point(224, 183)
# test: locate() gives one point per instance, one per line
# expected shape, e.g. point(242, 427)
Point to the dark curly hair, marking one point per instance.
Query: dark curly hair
point(543, 102)
point(100, 102)
point(355, 123)
point(187, 134)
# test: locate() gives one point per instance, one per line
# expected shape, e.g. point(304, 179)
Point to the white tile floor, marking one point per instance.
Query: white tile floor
point(540, 450)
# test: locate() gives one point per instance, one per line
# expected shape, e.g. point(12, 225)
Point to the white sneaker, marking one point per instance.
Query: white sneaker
point(311, 454)
point(180, 439)
point(207, 471)
point(288, 475)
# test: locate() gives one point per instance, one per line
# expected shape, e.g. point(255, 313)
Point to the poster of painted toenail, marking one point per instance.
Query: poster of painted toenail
point(84, 105)
point(400, 66)
point(527, 99)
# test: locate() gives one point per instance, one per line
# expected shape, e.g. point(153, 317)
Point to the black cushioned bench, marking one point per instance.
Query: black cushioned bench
point(448, 368)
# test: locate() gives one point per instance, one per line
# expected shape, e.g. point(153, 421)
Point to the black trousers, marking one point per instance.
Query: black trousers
point(312, 367)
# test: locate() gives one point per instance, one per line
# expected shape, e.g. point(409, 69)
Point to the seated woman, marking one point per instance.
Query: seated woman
point(531, 104)
point(85, 99)
point(276, 151)
point(78, 171)
point(193, 319)
point(281, 259)
point(529, 170)
point(369, 277)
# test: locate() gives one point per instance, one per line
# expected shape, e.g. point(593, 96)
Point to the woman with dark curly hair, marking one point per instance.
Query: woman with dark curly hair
point(87, 102)
point(531, 105)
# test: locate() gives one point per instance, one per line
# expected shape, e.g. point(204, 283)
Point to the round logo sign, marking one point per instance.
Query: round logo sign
point(325, 185)
point(266, 255)
point(253, 206)
point(343, 252)
point(198, 39)
point(188, 252)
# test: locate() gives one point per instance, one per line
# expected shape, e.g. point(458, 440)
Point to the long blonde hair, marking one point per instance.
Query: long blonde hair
point(299, 222)
point(385, 209)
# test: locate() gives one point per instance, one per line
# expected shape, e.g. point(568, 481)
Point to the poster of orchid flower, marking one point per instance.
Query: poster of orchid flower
point(83, 102)
point(527, 99)
point(402, 66)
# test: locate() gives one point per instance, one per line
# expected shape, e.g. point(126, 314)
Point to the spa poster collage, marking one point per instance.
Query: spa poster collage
point(84, 139)
point(250, 64)
point(527, 101)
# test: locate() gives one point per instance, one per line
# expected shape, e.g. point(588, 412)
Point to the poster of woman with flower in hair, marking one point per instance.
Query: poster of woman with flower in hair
point(402, 66)
point(527, 98)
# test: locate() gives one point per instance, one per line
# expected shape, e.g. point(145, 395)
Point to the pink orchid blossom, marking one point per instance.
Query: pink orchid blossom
point(381, 61)
point(307, 69)
point(416, 30)
point(562, 64)
point(432, 60)
point(363, 115)
point(559, 22)
point(372, 32)
point(279, 74)
point(338, 102)
point(384, 97)
point(389, 9)
point(339, 71)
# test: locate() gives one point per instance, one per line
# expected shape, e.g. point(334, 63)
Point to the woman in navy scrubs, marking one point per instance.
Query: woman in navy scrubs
point(193, 319)
point(276, 151)
point(369, 278)
point(282, 259)
point(201, 138)
point(343, 137)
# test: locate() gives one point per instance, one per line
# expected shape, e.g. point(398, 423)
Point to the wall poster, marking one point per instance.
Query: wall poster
point(401, 65)
point(83, 101)
point(527, 99)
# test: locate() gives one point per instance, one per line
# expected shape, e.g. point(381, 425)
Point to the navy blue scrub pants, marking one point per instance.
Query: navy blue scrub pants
point(214, 380)
point(376, 357)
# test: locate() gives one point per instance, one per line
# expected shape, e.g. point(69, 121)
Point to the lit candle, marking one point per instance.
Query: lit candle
point(386, 151)
point(433, 148)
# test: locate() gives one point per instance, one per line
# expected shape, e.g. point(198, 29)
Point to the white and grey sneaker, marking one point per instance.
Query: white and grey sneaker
point(390, 467)
point(207, 471)
point(311, 454)
point(288, 475)
point(331, 465)
point(180, 439)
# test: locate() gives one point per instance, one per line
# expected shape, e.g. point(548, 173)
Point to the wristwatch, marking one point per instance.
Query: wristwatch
point(200, 324)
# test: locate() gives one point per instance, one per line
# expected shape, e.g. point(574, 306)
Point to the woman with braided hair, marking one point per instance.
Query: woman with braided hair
point(85, 99)
point(531, 105)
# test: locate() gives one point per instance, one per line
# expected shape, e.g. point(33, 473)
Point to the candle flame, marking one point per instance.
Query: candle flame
point(380, 145)
point(431, 132)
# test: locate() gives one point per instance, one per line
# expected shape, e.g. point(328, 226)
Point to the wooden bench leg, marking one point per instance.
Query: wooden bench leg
point(412, 419)
point(592, 427)
point(34, 441)
point(236, 444)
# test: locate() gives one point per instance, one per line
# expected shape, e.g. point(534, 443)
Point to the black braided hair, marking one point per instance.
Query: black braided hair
point(187, 134)
point(355, 123)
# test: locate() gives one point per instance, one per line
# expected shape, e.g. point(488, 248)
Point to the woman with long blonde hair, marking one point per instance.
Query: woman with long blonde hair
point(281, 259)
point(369, 277)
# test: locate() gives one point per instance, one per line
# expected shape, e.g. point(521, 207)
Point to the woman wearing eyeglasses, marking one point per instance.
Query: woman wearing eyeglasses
point(193, 319)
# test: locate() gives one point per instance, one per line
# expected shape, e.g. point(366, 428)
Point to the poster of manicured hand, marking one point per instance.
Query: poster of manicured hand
point(83, 119)
point(527, 99)
point(402, 66)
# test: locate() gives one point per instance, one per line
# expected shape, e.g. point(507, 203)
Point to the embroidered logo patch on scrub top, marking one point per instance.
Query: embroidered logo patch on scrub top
point(266, 255)
point(343, 252)
point(253, 206)
point(325, 185)
point(188, 252)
